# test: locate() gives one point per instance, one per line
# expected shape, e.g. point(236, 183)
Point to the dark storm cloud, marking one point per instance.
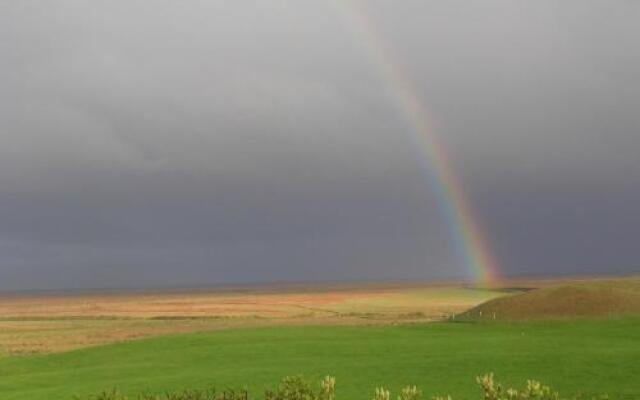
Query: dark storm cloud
point(207, 142)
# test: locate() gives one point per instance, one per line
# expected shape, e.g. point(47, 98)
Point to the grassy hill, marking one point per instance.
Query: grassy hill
point(589, 356)
point(598, 298)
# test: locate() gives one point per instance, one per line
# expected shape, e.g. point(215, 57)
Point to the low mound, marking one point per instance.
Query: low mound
point(586, 299)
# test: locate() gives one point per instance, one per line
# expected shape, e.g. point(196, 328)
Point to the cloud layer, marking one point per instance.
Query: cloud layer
point(204, 142)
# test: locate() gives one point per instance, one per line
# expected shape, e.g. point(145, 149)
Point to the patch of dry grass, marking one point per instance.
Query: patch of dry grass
point(53, 323)
point(43, 324)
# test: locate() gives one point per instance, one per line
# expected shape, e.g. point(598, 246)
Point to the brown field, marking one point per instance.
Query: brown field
point(52, 323)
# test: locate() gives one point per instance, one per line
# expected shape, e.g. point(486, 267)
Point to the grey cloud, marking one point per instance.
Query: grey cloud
point(211, 141)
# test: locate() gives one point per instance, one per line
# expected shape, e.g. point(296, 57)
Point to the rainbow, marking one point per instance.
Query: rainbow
point(471, 242)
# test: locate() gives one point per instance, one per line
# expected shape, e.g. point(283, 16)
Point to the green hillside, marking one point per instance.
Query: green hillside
point(572, 356)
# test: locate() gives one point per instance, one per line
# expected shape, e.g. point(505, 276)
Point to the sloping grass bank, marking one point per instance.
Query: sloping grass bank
point(599, 298)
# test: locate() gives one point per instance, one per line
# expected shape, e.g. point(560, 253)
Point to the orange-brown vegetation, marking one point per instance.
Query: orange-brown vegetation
point(48, 323)
point(51, 323)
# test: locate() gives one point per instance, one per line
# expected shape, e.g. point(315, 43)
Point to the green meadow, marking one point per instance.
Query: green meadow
point(589, 356)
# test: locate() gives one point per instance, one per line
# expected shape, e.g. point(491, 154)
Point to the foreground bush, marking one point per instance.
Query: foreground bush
point(296, 388)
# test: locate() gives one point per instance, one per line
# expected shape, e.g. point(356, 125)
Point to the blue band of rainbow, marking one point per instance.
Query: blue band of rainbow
point(470, 240)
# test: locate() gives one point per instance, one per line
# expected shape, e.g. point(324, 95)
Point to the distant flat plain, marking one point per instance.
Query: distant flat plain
point(39, 323)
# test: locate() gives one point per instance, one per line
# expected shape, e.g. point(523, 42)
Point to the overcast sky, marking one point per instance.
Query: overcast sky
point(174, 143)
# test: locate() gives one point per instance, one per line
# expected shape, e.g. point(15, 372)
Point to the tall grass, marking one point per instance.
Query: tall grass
point(297, 388)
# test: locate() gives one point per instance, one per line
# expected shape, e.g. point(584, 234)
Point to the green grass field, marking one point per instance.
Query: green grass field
point(588, 356)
